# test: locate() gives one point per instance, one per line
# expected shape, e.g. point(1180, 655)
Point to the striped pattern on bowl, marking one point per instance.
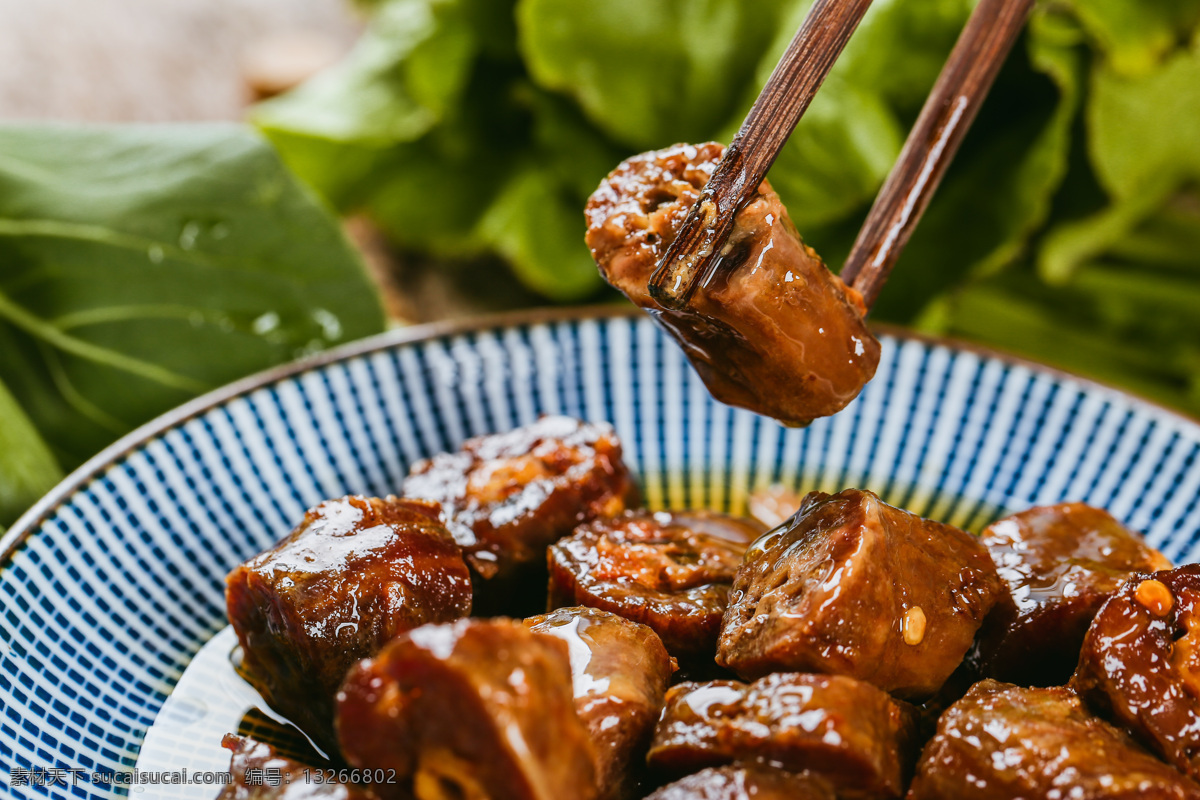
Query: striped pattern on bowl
point(110, 588)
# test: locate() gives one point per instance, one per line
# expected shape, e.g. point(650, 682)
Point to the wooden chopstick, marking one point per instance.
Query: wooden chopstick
point(947, 114)
point(779, 106)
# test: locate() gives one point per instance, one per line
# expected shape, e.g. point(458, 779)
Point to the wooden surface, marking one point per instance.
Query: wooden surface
point(698, 248)
point(147, 60)
point(944, 120)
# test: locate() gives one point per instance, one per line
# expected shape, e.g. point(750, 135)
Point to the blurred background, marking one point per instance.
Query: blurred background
point(194, 190)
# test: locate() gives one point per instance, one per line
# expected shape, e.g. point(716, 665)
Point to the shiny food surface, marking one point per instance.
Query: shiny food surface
point(747, 782)
point(838, 589)
point(668, 570)
point(473, 709)
point(1140, 663)
point(296, 781)
point(356, 572)
point(775, 331)
point(506, 496)
point(620, 670)
point(1002, 742)
point(854, 735)
point(1061, 563)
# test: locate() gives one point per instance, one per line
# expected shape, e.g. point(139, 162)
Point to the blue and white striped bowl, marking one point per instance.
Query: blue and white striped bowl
point(111, 585)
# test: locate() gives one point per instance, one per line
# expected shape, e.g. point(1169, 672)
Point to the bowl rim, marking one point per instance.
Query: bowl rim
point(30, 521)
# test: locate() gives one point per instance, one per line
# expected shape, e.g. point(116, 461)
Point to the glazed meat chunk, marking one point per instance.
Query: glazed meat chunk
point(668, 570)
point(1002, 742)
point(621, 670)
point(747, 782)
point(279, 778)
point(1060, 563)
point(1140, 663)
point(854, 735)
point(507, 496)
point(356, 572)
point(775, 332)
point(856, 587)
point(472, 709)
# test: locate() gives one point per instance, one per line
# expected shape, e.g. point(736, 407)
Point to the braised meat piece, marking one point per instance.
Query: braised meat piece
point(747, 782)
point(1061, 563)
point(1140, 663)
point(1002, 742)
point(668, 570)
point(356, 572)
point(853, 734)
point(472, 709)
point(280, 778)
point(621, 670)
point(508, 495)
point(853, 586)
point(775, 332)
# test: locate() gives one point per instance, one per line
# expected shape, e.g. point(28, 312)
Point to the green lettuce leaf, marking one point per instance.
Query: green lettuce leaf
point(27, 467)
point(1019, 149)
point(1143, 151)
point(1135, 36)
point(407, 73)
point(649, 73)
point(143, 265)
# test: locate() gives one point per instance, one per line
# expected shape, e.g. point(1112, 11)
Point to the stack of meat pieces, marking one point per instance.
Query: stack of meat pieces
point(855, 651)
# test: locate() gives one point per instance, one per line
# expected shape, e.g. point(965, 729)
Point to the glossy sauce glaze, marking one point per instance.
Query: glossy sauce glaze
point(279, 777)
point(356, 572)
point(851, 733)
point(854, 586)
point(668, 570)
point(775, 332)
point(507, 496)
point(1002, 742)
point(1140, 663)
point(747, 782)
point(1061, 563)
point(620, 670)
point(469, 710)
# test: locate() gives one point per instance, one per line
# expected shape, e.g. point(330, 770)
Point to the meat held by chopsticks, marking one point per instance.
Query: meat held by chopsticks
point(774, 331)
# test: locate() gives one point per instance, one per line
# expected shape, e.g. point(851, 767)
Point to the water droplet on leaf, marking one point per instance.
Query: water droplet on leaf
point(331, 326)
point(189, 234)
point(265, 324)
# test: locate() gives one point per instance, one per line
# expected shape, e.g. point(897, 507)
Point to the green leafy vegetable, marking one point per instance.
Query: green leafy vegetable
point(1078, 179)
point(647, 73)
point(144, 265)
point(27, 468)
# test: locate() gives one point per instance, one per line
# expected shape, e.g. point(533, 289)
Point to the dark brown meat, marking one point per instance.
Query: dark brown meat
point(259, 773)
point(853, 586)
point(853, 734)
point(621, 670)
point(776, 332)
point(1002, 742)
point(472, 709)
point(356, 572)
point(1140, 663)
point(668, 570)
point(509, 495)
point(1061, 563)
point(747, 782)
